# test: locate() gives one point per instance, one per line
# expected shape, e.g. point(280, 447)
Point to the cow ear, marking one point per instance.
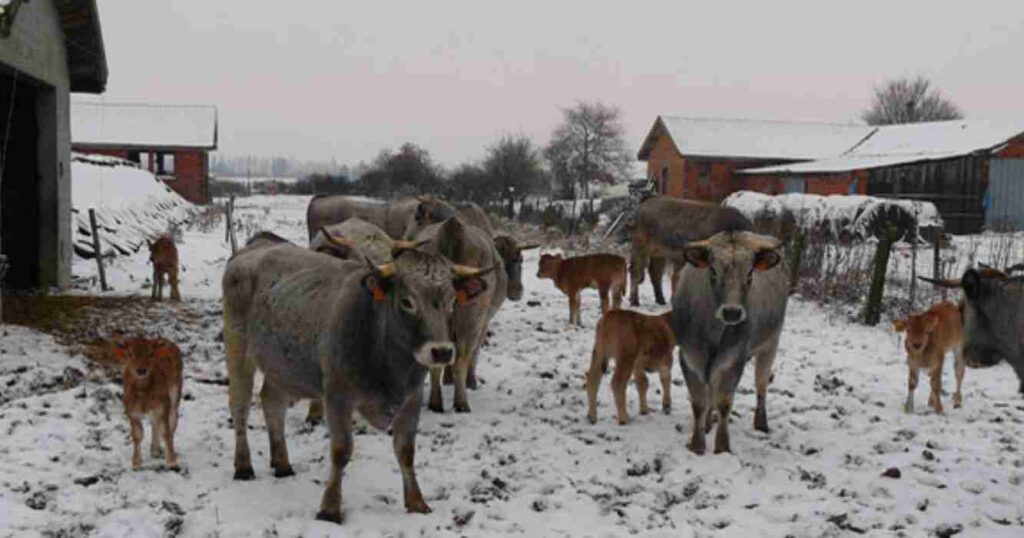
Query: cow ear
point(468, 288)
point(164, 352)
point(378, 285)
point(335, 250)
point(120, 351)
point(931, 321)
point(421, 212)
point(699, 257)
point(971, 282)
point(899, 325)
point(765, 259)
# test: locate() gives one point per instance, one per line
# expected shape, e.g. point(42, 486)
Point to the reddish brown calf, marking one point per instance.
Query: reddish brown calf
point(152, 380)
point(606, 272)
point(164, 256)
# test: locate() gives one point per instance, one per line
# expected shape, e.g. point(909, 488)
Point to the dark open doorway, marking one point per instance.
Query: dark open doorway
point(19, 191)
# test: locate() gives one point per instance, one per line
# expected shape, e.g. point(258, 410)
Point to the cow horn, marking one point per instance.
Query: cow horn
point(386, 270)
point(949, 283)
point(465, 271)
point(340, 242)
point(399, 246)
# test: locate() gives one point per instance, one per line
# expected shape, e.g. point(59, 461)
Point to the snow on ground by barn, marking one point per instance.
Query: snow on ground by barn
point(525, 461)
point(130, 203)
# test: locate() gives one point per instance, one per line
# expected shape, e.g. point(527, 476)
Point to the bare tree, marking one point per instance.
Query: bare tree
point(909, 100)
point(513, 169)
point(589, 145)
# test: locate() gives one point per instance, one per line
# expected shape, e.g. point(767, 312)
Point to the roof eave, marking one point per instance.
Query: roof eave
point(135, 146)
point(86, 57)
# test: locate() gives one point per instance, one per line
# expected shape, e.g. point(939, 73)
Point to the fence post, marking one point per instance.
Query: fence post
point(799, 240)
point(873, 308)
point(231, 224)
point(937, 261)
point(97, 250)
point(913, 265)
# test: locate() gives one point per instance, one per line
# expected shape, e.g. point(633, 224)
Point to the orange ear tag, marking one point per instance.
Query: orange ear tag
point(462, 297)
point(378, 294)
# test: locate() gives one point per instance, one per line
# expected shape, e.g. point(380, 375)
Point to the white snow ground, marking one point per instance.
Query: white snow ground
point(525, 461)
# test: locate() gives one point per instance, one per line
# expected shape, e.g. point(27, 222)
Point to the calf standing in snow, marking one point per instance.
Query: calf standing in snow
point(152, 381)
point(164, 256)
point(606, 272)
point(640, 344)
point(930, 335)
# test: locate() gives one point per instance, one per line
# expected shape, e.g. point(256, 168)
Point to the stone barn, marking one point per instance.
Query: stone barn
point(174, 142)
point(48, 48)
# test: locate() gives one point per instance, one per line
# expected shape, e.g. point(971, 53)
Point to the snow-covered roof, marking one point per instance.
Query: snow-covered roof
point(143, 125)
point(754, 139)
point(903, 144)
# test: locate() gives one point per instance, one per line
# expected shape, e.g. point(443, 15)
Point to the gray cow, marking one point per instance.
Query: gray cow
point(466, 245)
point(401, 219)
point(729, 305)
point(510, 249)
point(361, 337)
point(993, 314)
point(368, 240)
point(664, 225)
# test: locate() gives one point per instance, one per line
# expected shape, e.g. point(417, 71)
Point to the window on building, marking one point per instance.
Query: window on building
point(664, 178)
point(165, 164)
point(134, 157)
point(704, 175)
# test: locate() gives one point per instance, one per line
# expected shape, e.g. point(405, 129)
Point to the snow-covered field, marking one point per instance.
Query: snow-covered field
point(525, 461)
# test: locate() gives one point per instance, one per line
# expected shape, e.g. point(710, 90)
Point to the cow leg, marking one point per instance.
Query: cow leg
point(275, 406)
point(315, 415)
point(449, 375)
point(137, 433)
point(618, 292)
point(339, 423)
point(156, 280)
point(404, 440)
point(637, 265)
point(666, 388)
point(723, 391)
point(154, 438)
point(656, 270)
point(908, 406)
point(640, 376)
point(172, 277)
point(620, 379)
point(240, 381)
point(574, 309)
point(471, 382)
point(958, 370)
point(465, 356)
point(699, 402)
point(594, 375)
point(168, 435)
point(675, 275)
point(762, 377)
point(935, 398)
point(436, 402)
point(1018, 367)
point(604, 289)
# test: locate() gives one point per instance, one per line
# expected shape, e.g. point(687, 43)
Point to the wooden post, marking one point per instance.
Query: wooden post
point(913, 266)
point(937, 262)
point(231, 224)
point(227, 220)
point(873, 308)
point(799, 241)
point(97, 249)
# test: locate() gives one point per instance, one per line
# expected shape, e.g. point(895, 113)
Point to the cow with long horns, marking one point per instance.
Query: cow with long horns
point(362, 337)
point(993, 317)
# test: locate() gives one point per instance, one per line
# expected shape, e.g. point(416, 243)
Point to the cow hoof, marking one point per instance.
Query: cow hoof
point(174, 468)
point(417, 506)
point(722, 450)
point(439, 408)
point(634, 302)
point(284, 472)
point(463, 408)
point(667, 409)
point(763, 428)
point(660, 301)
point(592, 419)
point(244, 473)
point(696, 449)
point(332, 516)
point(471, 383)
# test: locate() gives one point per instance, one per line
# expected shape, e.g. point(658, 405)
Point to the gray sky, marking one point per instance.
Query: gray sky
point(323, 79)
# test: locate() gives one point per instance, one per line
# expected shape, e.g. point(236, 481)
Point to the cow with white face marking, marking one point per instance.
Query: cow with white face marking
point(729, 306)
point(361, 337)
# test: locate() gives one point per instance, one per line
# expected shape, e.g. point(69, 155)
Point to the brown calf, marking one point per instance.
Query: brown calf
point(164, 257)
point(640, 344)
point(606, 272)
point(930, 335)
point(152, 386)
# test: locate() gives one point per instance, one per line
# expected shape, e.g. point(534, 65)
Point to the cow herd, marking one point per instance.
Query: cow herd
point(387, 295)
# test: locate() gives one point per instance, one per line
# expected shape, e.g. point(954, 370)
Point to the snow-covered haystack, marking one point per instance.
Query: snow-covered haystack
point(855, 217)
point(131, 205)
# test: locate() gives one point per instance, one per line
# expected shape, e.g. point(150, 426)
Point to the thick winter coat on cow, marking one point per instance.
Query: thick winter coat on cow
point(400, 219)
point(361, 337)
point(465, 245)
point(664, 225)
point(729, 305)
point(510, 249)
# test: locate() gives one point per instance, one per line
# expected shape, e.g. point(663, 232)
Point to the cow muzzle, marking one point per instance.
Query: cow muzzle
point(436, 354)
point(731, 314)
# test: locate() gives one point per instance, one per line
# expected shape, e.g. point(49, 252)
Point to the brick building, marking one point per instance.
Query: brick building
point(173, 142)
point(48, 48)
point(973, 171)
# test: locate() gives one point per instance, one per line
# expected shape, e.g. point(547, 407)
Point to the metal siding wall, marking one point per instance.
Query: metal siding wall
point(1006, 192)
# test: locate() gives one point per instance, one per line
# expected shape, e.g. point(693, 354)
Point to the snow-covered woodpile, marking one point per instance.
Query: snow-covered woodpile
point(847, 217)
point(131, 205)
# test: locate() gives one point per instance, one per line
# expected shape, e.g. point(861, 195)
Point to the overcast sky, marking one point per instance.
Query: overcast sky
point(338, 79)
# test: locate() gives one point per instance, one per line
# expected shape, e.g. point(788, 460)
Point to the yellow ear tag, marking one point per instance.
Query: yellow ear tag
point(378, 294)
point(461, 297)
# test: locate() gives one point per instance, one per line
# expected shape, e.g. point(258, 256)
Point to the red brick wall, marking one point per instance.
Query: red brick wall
point(664, 153)
point(1014, 151)
point(823, 184)
point(191, 171)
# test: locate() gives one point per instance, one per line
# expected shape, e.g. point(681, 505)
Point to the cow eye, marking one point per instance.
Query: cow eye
point(408, 305)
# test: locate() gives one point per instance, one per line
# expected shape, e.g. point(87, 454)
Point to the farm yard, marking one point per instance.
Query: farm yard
point(842, 456)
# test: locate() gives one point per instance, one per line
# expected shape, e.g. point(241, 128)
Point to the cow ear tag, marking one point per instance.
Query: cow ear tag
point(461, 297)
point(378, 294)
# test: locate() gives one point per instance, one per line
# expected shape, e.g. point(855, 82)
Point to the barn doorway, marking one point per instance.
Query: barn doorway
point(20, 182)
